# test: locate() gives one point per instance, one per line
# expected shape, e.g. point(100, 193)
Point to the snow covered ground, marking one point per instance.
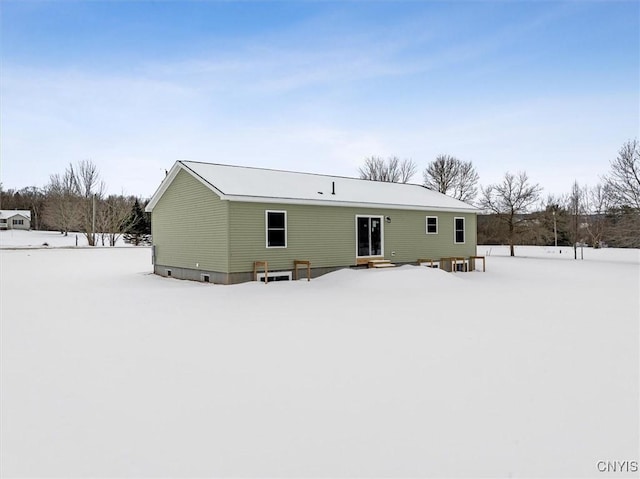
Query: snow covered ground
point(46, 239)
point(529, 369)
point(565, 253)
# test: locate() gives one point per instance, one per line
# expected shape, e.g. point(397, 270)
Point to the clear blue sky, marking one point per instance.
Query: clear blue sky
point(552, 88)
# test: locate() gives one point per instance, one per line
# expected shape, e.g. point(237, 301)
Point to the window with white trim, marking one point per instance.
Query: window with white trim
point(276, 229)
point(432, 225)
point(18, 222)
point(458, 226)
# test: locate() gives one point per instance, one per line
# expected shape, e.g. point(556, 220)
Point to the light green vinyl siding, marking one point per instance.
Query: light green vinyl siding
point(190, 226)
point(326, 235)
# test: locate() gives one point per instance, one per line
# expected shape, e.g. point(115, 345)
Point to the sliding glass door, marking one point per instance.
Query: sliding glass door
point(369, 235)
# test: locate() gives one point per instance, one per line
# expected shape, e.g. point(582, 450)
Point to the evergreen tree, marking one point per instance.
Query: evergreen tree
point(139, 227)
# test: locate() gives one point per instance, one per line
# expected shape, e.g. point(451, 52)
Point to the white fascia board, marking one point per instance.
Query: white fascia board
point(296, 201)
point(175, 169)
point(203, 181)
point(163, 186)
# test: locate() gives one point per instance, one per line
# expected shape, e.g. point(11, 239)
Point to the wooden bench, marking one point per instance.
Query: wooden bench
point(459, 260)
point(301, 262)
point(260, 264)
point(451, 263)
point(428, 260)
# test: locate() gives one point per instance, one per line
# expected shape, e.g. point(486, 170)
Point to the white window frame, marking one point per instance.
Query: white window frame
point(381, 255)
point(426, 225)
point(464, 230)
point(266, 229)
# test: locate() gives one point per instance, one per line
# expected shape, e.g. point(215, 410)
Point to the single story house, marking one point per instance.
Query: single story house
point(212, 222)
point(15, 219)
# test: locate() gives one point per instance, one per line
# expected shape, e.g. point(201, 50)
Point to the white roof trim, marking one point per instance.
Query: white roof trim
point(297, 201)
point(177, 167)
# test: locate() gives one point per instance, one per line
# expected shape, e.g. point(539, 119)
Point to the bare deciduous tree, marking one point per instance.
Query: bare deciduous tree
point(596, 207)
point(622, 186)
point(62, 210)
point(554, 218)
point(392, 170)
point(510, 201)
point(440, 174)
point(623, 181)
point(73, 197)
point(451, 176)
point(575, 205)
point(407, 169)
point(91, 189)
point(112, 217)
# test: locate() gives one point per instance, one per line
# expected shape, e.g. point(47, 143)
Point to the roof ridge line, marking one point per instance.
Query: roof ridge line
point(298, 172)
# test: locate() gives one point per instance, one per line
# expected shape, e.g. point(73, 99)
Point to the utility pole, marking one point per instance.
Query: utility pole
point(555, 229)
point(93, 222)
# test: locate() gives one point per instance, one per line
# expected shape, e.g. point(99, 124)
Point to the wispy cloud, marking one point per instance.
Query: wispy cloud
point(317, 97)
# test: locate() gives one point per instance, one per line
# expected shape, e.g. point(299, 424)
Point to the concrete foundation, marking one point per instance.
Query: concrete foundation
point(229, 278)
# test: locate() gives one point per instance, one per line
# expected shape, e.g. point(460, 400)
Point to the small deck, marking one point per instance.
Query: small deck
point(454, 264)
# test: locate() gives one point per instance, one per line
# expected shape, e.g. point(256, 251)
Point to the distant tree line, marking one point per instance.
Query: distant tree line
point(514, 211)
point(75, 200)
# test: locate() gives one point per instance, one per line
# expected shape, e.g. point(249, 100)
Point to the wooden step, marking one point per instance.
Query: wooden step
point(380, 263)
